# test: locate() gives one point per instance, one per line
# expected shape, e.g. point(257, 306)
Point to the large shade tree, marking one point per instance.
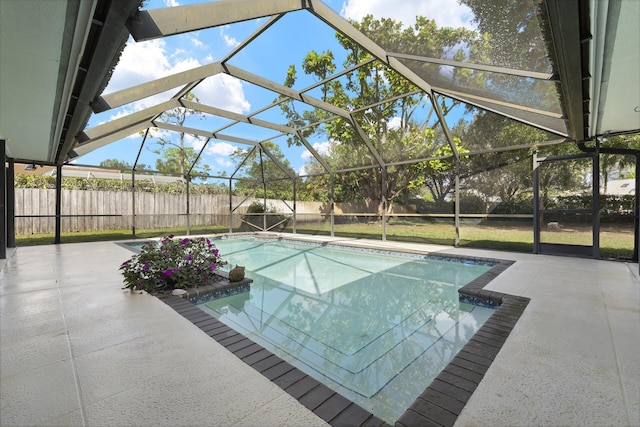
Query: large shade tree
point(263, 164)
point(384, 105)
point(177, 155)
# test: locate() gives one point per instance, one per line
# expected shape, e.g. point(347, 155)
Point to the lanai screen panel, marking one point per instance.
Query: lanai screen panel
point(328, 92)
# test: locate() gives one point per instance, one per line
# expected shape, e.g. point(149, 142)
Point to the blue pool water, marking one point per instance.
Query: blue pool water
point(376, 327)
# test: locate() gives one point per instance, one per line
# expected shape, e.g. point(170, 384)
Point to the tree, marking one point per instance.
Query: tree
point(506, 175)
point(120, 165)
point(512, 35)
point(438, 175)
point(178, 157)
point(610, 163)
point(256, 165)
point(366, 90)
point(513, 31)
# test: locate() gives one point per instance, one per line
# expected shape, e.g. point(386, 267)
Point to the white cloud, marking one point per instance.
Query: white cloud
point(323, 148)
point(395, 123)
point(223, 91)
point(229, 40)
point(196, 42)
point(194, 141)
point(446, 13)
point(140, 63)
point(220, 149)
point(158, 133)
point(184, 65)
point(171, 3)
point(145, 61)
point(223, 161)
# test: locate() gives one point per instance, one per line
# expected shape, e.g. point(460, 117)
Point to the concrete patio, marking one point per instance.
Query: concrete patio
point(76, 349)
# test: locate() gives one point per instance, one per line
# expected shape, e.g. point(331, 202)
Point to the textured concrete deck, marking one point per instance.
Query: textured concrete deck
point(78, 350)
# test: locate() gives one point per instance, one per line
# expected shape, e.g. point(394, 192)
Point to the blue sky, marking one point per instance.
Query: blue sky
point(285, 43)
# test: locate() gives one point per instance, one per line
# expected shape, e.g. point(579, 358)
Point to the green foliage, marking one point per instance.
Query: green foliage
point(519, 205)
point(120, 165)
point(259, 163)
point(256, 208)
point(102, 184)
point(178, 160)
point(175, 263)
point(35, 181)
point(370, 86)
point(437, 175)
point(178, 157)
point(255, 216)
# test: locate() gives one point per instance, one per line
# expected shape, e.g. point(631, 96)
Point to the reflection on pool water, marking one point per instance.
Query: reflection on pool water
point(376, 327)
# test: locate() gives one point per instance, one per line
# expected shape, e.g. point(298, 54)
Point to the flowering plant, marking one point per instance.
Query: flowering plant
point(175, 263)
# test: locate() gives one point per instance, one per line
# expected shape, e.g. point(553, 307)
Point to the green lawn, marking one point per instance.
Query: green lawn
point(109, 235)
point(614, 242)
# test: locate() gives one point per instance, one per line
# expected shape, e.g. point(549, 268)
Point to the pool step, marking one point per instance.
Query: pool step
point(378, 362)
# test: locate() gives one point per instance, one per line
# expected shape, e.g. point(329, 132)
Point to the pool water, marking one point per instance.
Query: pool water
point(376, 327)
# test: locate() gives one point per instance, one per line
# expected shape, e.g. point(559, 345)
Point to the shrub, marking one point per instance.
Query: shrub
point(175, 263)
point(253, 216)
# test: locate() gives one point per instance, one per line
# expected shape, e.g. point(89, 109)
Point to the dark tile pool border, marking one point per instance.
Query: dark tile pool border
point(317, 397)
point(438, 405)
point(443, 400)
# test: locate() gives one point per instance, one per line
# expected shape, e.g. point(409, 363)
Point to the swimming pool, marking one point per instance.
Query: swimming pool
point(375, 326)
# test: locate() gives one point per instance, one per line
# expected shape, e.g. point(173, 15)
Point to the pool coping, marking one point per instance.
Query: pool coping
point(438, 405)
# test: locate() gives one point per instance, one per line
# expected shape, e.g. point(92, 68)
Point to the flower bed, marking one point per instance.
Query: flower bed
point(174, 264)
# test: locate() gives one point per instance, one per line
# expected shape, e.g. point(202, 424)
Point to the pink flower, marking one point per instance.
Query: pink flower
point(212, 267)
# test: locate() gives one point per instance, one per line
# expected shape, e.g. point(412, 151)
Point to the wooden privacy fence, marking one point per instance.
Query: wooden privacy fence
point(83, 210)
point(89, 210)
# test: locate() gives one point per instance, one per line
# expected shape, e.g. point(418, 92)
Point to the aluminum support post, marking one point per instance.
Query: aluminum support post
point(133, 202)
point(536, 203)
point(188, 179)
point(456, 205)
point(11, 204)
point(58, 204)
point(3, 206)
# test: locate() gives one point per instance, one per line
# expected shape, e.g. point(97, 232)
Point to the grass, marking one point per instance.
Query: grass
point(110, 235)
point(615, 243)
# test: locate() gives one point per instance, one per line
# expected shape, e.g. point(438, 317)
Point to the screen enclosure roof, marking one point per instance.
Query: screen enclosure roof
point(579, 79)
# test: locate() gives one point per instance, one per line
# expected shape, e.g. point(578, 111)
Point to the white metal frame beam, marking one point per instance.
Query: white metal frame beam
point(156, 23)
